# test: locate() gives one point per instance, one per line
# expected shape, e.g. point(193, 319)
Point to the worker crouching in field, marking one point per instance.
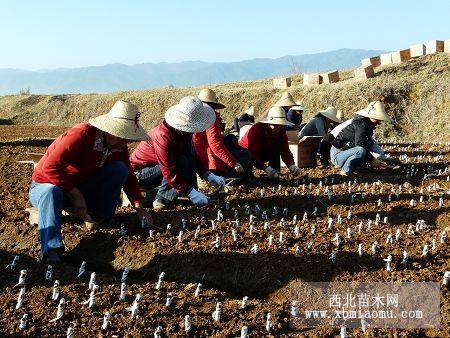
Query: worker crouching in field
point(168, 160)
point(353, 144)
point(320, 125)
point(267, 141)
point(294, 111)
point(85, 169)
point(229, 161)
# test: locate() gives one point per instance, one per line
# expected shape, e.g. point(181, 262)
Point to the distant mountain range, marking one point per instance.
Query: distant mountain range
point(119, 77)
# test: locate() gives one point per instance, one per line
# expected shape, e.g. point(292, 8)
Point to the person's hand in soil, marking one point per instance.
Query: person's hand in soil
point(143, 214)
point(272, 173)
point(294, 170)
point(78, 203)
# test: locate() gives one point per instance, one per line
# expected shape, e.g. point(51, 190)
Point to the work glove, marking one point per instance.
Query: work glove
point(197, 197)
point(239, 168)
point(293, 169)
point(272, 173)
point(216, 181)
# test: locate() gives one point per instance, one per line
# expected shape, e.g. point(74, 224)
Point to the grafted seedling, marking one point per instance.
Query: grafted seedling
point(82, 269)
point(59, 311)
point(13, 264)
point(23, 321)
point(135, 307)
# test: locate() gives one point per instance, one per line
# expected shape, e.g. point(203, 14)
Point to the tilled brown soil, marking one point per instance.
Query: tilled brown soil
point(228, 272)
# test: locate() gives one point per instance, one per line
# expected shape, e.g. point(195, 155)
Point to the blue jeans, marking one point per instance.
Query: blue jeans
point(151, 177)
point(348, 159)
point(101, 192)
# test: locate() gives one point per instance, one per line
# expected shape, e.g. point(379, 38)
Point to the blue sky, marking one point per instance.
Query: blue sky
point(42, 34)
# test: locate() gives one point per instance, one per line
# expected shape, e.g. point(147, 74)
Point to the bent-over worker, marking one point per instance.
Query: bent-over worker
point(353, 143)
point(168, 160)
point(85, 169)
point(267, 141)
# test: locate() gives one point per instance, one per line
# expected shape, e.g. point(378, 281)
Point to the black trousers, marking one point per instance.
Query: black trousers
point(324, 152)
point(241, 155)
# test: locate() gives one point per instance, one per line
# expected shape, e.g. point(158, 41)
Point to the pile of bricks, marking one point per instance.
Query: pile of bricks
point(431, 47)
point(282, 83)
point(366, 70)
point(316, 78)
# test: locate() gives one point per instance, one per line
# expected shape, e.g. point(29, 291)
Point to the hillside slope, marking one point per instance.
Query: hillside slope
point(417, 95)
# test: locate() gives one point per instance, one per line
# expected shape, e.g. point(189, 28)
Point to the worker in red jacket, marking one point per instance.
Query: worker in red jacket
point(209, 145)
point(168, 160)
point(85, 169)
point(267, 141)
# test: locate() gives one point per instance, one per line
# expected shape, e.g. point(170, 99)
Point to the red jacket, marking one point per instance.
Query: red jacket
point(209, 147)
point(261, 141)
point(74, 156)
point(165, 145)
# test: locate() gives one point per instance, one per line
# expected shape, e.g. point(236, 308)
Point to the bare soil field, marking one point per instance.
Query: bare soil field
point(228, 271)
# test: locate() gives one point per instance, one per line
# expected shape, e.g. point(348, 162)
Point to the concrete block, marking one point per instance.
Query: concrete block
point(282, 83)
point(434, 46)
point(373, 61)
point(363, 73)
point(312, 79)
point(401, 55)
point(447, 46)
point(330, 77)
point(417, 50)
point(386, 59)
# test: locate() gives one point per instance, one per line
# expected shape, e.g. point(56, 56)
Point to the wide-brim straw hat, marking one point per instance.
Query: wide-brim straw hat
point(299, 106)
point(250, 111)
point(375, 110)
point(190, 115)
point(277, 115)
point(286, 100)
point(209, 96)
point(331, 113)
point(121, 121)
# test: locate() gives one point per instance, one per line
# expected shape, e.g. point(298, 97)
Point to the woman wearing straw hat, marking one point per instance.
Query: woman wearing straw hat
point(293, 110)
point(85, 169)
point(168, 160)
point(321, 124)
point(267, 141)
point(353, 143)
point(231, 162)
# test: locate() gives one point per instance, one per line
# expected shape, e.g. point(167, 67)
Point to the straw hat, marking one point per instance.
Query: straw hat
point(209, 96)
point(190, 115)
point(375, 110)
point(277, 115)
point(299, 106)
point(340, 115)
point(331, 113)
point(121, 121)
point(286, 100)
point(250, 111)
